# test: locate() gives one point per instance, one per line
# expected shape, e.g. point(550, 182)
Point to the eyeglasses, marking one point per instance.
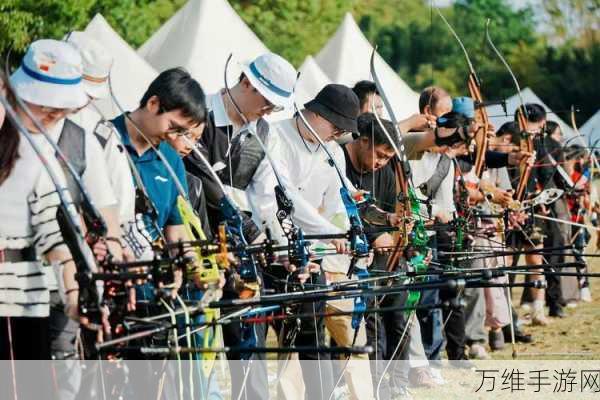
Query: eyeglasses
point(176, 129)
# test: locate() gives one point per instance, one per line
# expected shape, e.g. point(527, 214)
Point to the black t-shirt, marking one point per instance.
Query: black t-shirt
point(384, 189)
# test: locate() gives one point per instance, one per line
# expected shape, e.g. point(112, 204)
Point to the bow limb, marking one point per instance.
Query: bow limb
point(401, 173)
point(481, 115)
point(408, 203)
point(526, 141)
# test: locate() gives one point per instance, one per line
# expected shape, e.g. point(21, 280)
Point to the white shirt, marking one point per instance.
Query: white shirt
point(498, 177)
point(259, 195)
point(422, 170)
point(312, 184)
point(95, 177)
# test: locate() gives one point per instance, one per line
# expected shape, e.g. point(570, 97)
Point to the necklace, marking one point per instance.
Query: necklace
point(302, 138)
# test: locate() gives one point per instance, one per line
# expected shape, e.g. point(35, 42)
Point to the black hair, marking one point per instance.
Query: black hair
point(430, 96)
point(551, 127)
point(369, 128)
point(533, 112)
point(509, 128)
point(177, 90)
point(363, 89)
point(9, 138)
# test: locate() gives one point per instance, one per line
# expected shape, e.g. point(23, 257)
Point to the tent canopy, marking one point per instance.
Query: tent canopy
point(498, 117)
point(200, 37)
point(312, 80)
point(591, 129)
point(130, 74)
point(345, 59)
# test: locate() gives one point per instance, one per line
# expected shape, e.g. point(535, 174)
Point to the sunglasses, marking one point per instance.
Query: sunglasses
point(268, 105)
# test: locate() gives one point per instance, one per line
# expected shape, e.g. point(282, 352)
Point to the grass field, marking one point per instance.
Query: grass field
point(568, 342)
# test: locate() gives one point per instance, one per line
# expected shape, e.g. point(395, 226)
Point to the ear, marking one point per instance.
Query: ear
point(245, 82)
point(153, 105)
point(364, 141)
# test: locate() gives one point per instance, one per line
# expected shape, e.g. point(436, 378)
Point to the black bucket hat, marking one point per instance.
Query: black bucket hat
point(339, 105)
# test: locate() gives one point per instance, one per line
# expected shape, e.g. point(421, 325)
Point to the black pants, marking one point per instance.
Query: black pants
point(453, 318)
point(29, 341)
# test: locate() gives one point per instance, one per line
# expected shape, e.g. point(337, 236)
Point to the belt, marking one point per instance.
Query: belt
point(18, 255)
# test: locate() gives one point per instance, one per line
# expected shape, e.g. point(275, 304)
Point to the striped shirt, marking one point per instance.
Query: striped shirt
point(29, 203)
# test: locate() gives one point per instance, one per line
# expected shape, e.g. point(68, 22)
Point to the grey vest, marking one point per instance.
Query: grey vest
point(72, 143)
point(246, 155)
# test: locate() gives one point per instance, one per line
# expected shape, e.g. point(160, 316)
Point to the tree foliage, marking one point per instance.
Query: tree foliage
point(559, 62)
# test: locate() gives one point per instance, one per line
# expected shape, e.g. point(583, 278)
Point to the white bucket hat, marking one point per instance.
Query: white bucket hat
point(97, 62)
point(274, 78)
point(50, 75)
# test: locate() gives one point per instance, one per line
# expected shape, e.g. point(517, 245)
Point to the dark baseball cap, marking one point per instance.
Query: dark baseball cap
point(338, 104)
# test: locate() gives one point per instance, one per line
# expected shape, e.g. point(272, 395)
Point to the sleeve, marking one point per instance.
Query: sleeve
point(496, 159)
point(444, 198)
point(95, 177)
point(410, 142)
point(174, 215)
point(333, 206)
point(121, 177)
point(261, 196)
point(504, 179)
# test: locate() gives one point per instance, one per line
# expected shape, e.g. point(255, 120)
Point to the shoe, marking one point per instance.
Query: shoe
point(436, 375)
point(526, 307)
point(462, 364)
point(538, 318)
point(401, 393)
point(525, 319)
point(478, 352)
point(496, 340)
point(520, 336)
point(556, 311)
point(585, 295)
point(421, 377)
point(571, 304)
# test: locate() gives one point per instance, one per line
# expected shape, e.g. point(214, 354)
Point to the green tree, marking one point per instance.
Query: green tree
point(293, 28)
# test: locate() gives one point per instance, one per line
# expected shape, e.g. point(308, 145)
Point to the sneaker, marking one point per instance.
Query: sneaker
point(585, 295)
point(527, 307)
point(496, 340)
point(556, 311)
point(478, 352)
point(401, 393)
point(539, 319)
point(436, 375)
point(462, 364)
point(571, 304)
point(520, 336)
point(421, 377)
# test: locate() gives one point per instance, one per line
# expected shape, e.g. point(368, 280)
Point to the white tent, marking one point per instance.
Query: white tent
point(345, 59)
point(200, 37)
point(130, 74)
point(591, 129)
point(498, 117)
point(312, 80)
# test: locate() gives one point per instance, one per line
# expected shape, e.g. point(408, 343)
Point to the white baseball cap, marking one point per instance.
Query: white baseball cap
point(50, 75)
point(274, 78)
point(97, 62)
